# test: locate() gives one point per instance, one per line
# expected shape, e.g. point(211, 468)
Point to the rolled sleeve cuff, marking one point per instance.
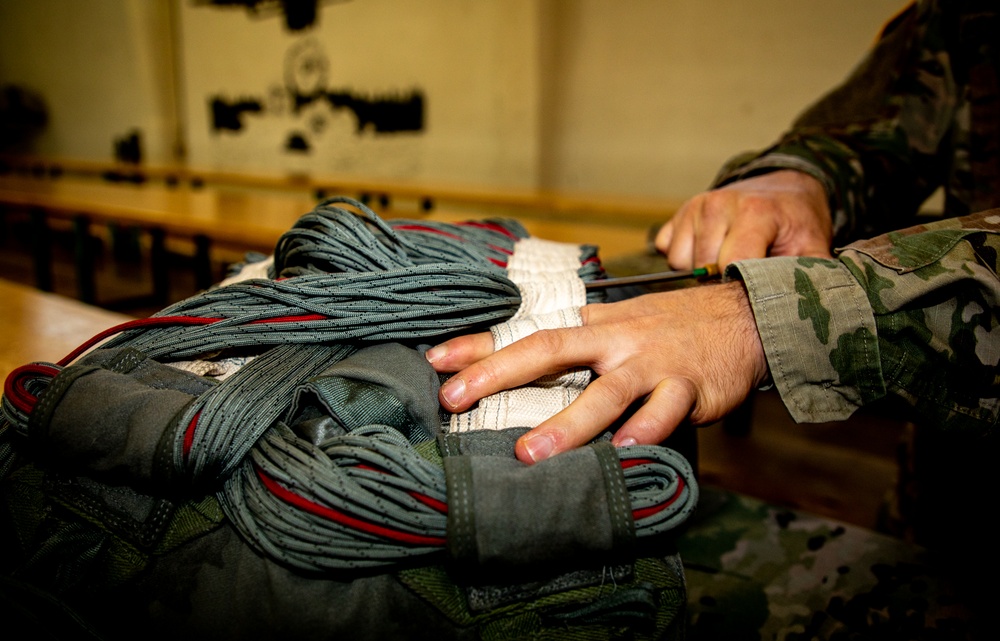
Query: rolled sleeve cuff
point(818, 333)
point(774, 161)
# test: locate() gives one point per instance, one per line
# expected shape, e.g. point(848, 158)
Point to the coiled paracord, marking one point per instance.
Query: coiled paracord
point(343, 279)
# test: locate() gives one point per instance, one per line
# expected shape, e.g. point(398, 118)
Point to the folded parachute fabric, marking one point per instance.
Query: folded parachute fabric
point(296, 393)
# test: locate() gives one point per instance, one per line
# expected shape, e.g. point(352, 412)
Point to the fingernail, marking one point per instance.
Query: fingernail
point(539, 447)
point(435, 353)
point(628, 441)
point(453, 391)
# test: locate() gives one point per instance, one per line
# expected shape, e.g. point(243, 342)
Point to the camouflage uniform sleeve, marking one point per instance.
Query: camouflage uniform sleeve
point(876, 142)
point(911, 314)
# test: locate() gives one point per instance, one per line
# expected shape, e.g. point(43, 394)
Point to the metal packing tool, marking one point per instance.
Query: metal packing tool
point(702, 273)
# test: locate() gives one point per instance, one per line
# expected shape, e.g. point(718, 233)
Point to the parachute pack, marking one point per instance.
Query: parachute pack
point(268, 459)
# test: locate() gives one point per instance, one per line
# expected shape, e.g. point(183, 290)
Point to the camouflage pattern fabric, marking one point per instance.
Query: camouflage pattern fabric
point(757, 571)
point(911, 314)
point(911, 317)
point(922, 111)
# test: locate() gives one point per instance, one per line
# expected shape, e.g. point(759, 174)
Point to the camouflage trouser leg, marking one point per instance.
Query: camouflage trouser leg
point(757, 571)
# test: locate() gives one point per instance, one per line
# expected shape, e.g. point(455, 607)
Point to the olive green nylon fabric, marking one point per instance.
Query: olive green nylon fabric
point(655, 597)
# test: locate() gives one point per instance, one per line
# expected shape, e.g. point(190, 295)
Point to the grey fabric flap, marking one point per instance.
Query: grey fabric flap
point(504, 514)
point(388, 384)
point(110, 422)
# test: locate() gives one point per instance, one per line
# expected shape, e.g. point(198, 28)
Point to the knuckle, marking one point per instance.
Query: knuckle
point(758, 204)
point(647, 427)
point(715, 206)
point(548, 341)
point(619, 389)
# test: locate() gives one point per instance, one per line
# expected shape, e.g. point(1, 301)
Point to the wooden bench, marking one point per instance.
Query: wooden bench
point(233, 219)
point(380, 194)
point(39, 326)
point(219, 218)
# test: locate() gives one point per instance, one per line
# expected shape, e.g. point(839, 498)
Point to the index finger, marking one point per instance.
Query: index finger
point(544, 352)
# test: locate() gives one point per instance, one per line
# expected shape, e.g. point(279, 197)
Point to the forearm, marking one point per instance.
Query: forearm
point(910, 314)
point(805, 308)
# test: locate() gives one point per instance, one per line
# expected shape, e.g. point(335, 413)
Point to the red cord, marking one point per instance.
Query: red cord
point(14, 387)
point(502, 250)
point(491, 226)
point(430, 502)
point(24, 401)
point(344, 519)
point(152, 321)
point(653, 509)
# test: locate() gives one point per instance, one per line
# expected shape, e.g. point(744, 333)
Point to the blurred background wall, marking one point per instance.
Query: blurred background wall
point(632, 97)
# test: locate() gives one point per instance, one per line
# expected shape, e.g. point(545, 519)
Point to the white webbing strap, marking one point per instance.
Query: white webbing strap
point(547, 275)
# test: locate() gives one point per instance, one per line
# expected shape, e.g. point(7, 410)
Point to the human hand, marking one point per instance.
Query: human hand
point(782, 213)
point(693, 354)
